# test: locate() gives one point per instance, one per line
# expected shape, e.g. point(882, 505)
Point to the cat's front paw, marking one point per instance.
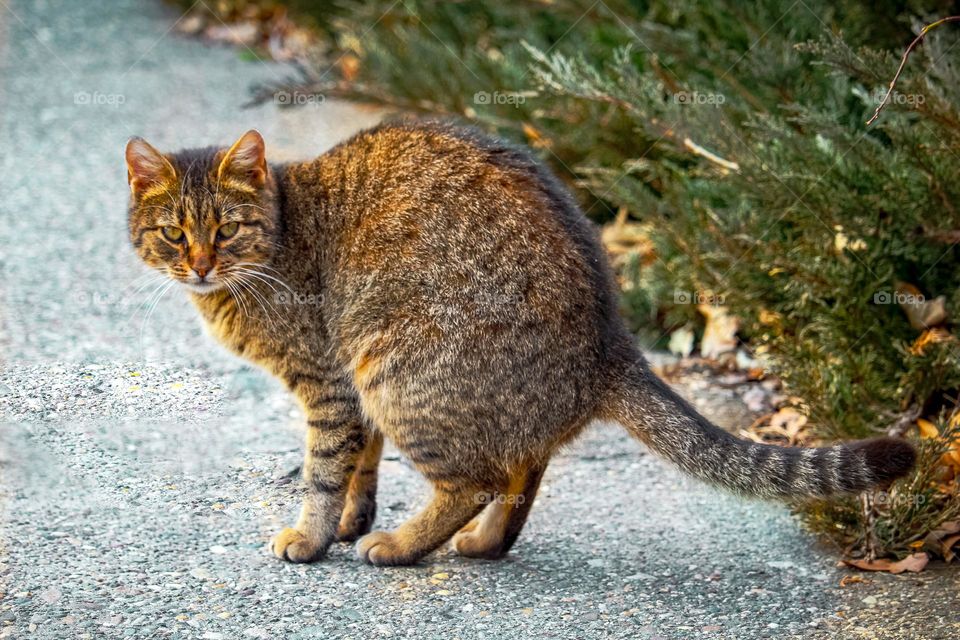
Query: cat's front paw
point(294, 546)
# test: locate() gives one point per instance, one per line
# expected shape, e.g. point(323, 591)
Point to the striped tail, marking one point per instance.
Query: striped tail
point(667, 424)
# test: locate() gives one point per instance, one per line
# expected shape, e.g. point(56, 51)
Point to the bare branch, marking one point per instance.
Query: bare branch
point(903, 63)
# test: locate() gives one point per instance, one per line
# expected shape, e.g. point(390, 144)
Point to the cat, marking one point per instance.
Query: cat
point(428, 284)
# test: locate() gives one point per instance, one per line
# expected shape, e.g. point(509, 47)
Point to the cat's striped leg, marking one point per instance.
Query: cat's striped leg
point(335, 439)
point(361, 507)
point(452, 506)
point(494, 531)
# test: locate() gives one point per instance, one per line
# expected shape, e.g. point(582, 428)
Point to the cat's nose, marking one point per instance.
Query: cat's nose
point(202, 266)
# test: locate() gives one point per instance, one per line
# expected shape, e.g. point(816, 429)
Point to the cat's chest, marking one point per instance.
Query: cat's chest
point(266, 334)
point(241, 329)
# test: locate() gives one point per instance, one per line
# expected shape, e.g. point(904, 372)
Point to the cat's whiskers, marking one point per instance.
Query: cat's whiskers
point(248, 286)
point(160, 291)
point(141, 281)
point(258, 265)
point(251, 268)
point(157, 283)
point(235, 294)
point(157, 280)
point(241, 287)
point(256, 276)
point(250, 279)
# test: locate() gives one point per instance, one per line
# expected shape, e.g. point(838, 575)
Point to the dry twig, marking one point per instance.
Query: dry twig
point(903, 63)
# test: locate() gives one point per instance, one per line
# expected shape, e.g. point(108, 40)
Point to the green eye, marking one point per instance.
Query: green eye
point(228, 230)
point(173, 234)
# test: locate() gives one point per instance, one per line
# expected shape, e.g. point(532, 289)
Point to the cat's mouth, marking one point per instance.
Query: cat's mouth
point(207, 284)
point(202, 286)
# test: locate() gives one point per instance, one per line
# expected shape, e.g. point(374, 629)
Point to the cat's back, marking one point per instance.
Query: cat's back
point(455, 190)
point(444, 218)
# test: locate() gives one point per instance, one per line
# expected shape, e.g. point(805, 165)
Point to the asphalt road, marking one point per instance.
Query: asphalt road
point(143, 470)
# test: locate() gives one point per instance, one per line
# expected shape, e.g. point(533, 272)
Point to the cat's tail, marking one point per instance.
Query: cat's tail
point(667, 424)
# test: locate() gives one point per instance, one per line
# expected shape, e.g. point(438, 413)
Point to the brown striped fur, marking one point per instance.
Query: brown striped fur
point(433, 286)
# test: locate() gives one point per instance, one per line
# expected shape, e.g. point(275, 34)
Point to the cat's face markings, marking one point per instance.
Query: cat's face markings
point(205, 217)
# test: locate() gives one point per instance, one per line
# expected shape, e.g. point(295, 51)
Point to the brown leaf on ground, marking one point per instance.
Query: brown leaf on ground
point(927, 429)
point(951, 458)
point(913, 563)
point(946, 548)
point(720, 333)
point(929, 337)
point(349, 66)
point(537, 139)
point(851, 579)
point(943, 539)
point(622, 237)
point(785, 427)
point(922, 313)
point(681, 342)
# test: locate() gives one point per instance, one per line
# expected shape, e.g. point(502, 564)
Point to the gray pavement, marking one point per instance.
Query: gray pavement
point(143, 469)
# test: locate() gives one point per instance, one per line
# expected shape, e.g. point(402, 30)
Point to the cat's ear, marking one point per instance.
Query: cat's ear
point(146, 167)
point(246, 160)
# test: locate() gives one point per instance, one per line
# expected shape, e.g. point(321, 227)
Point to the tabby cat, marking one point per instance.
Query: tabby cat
point(439, 288)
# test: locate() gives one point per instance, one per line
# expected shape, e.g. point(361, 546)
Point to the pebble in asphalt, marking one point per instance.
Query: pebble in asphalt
point(144, 469)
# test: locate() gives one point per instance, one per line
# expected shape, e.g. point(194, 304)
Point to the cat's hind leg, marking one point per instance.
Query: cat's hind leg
point(495, 530)
point(452, 506)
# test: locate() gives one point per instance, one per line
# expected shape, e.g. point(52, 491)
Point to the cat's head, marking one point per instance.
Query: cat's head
point(203, 216)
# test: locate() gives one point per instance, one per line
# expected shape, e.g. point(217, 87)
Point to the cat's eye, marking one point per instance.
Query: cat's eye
point(228, 230)
point(173, 234)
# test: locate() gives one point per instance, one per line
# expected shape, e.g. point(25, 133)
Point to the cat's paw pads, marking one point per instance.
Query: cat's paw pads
point(356, 522)
point(293, 546)
point(381, 549)
point(471, 543)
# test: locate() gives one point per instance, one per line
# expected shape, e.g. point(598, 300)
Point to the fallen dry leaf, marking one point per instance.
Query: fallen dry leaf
point(785, 427)
point(913, 563)
point(681, 342)
point(850, 579)
point(943, 539)
point(946, 548)
point(929, 337)
point(349, 65)
point(927, 429)
point(720, 333)
point(624, 238)
point(534, 137)
point(789, 421)
point(922, 313)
